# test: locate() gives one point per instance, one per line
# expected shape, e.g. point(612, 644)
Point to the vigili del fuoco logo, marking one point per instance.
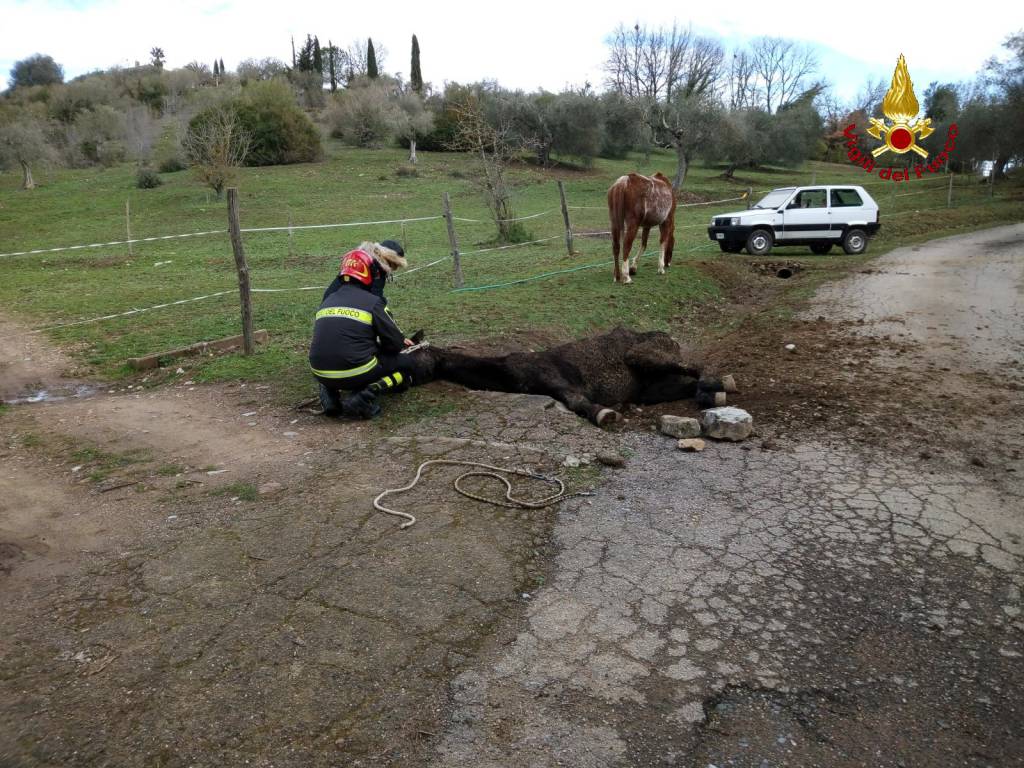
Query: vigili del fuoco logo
point(899, 132)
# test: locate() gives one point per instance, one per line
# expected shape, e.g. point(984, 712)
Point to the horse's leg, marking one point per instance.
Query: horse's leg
point(627, 246)
point(580, 405)
point(666, 388)
point(616, 246)
point(667, 240)
point(644, 233)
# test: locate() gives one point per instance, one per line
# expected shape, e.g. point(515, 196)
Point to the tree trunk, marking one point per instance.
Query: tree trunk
point(412, 151)
point(1000, 167)
point(729, 171)
point(27, 181)
point(681, 167)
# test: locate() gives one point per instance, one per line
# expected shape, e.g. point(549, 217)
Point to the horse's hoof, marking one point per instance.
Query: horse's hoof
point(729, 383)
point(606, 416)
point(661, 271)
point(720, 399)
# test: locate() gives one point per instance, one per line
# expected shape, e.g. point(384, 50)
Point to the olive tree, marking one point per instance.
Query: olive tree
point(216, 145)
point(23, 144)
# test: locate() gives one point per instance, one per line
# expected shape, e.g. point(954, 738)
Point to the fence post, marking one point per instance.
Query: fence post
point(291, 241)
point(565, 217)
point(456, 261)
point(992, 179)
point(248, 344)
point(750, 196)
point(128, 225)
point(949, 192)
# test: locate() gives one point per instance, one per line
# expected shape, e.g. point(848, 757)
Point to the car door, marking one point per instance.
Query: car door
point(847, 208)
point(807, 215)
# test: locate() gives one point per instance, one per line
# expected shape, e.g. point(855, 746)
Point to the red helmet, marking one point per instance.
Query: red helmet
point(357, 264)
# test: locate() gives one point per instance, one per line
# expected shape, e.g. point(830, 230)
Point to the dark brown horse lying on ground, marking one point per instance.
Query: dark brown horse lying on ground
point(588, 375)
point(635, 202)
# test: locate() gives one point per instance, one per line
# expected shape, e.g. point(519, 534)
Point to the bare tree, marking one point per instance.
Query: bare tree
point(23, 143)
point(216, 145)
point(494, 144)
point(869, 97)
point(742, 81)
point(648, 64)
point(782, 67)
point(354, 58)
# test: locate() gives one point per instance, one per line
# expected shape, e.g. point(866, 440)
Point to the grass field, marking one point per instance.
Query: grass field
point(84, 206)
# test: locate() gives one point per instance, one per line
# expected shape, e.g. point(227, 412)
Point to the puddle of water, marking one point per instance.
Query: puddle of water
point(79, 391)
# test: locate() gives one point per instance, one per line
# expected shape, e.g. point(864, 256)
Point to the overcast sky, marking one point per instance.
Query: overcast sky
point(534, 44)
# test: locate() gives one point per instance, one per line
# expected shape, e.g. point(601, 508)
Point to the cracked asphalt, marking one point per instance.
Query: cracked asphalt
point(822, 604)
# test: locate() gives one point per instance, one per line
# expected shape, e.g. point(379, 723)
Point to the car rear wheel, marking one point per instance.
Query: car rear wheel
point(821, 248)
point(759, 243)
point(855, 241)
point(729, 247)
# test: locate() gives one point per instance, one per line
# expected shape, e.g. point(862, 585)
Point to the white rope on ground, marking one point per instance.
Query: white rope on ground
point(514, 245)
point(489, 471)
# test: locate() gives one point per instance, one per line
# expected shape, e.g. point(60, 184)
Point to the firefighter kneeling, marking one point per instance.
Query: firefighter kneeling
point(356, 343)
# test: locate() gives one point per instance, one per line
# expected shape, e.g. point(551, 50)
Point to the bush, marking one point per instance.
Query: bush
point(172, 165)
point(406, 172)
point(363, 116)
point(280, 132)
point(147, 178)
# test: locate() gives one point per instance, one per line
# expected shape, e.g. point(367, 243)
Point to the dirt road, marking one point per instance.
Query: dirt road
point(191, 577)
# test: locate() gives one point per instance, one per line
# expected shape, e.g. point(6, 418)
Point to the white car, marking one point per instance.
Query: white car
point(816, 216)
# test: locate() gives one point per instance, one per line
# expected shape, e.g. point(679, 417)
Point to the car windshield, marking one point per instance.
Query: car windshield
point(775, 198)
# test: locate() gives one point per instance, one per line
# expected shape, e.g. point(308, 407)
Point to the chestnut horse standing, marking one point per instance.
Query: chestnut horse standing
point(636, 201)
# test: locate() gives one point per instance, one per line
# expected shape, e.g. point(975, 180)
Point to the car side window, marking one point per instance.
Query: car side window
point(809, 198)
point(845, 198)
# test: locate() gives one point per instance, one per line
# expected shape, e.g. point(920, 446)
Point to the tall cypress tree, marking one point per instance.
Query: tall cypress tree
point(415, 76)
point(222, 67)
point(318, 60)
point(371, 59)
point(216, 68)
point(330, 60)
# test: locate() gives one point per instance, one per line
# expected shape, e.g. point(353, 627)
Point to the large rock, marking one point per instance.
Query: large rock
point(727, 423)
point(679, 426)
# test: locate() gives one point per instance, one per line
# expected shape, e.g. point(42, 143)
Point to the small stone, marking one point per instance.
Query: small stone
point(571, 461)
point(727, 423)
point(290, 434)
point(791, 347)
point(977, 461)
point(268, 488)
point(610, 459)
point(729, 383)
point(180, 371)
point(678, 426)
point(691, 445)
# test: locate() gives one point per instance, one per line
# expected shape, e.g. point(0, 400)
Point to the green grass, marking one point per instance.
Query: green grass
point(82, 206)
point(243, 491)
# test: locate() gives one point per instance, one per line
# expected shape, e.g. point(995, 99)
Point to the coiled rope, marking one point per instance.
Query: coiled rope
point(484, 470)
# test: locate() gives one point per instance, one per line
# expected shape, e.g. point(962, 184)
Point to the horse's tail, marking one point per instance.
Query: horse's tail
point(617, 217)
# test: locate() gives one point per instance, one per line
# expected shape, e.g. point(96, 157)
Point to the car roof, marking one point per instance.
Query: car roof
point(820, 186)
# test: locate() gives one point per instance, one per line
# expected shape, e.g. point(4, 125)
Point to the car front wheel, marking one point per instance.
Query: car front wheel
point(855, 241)
point(759, 243)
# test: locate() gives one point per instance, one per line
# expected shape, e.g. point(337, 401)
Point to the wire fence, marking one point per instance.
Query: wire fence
point(537, 255)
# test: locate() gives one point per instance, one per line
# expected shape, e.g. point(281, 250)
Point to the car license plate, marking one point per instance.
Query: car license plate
point(719, 235)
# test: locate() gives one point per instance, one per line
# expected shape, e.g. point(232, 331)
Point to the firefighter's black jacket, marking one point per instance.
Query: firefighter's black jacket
point(352, 327)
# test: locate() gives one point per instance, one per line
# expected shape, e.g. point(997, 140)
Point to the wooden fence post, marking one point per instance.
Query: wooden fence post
point(248, 343)
point(291, 240)
point(949, 193)
point(565, 217)
point(456, 261)
point(128, 225)
point(750, 197)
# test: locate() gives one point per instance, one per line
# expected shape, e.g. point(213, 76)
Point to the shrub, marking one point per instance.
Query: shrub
point(406, 172)
point(171, 164)
point(363, 116)
point(280, 132)
point(147, 178)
